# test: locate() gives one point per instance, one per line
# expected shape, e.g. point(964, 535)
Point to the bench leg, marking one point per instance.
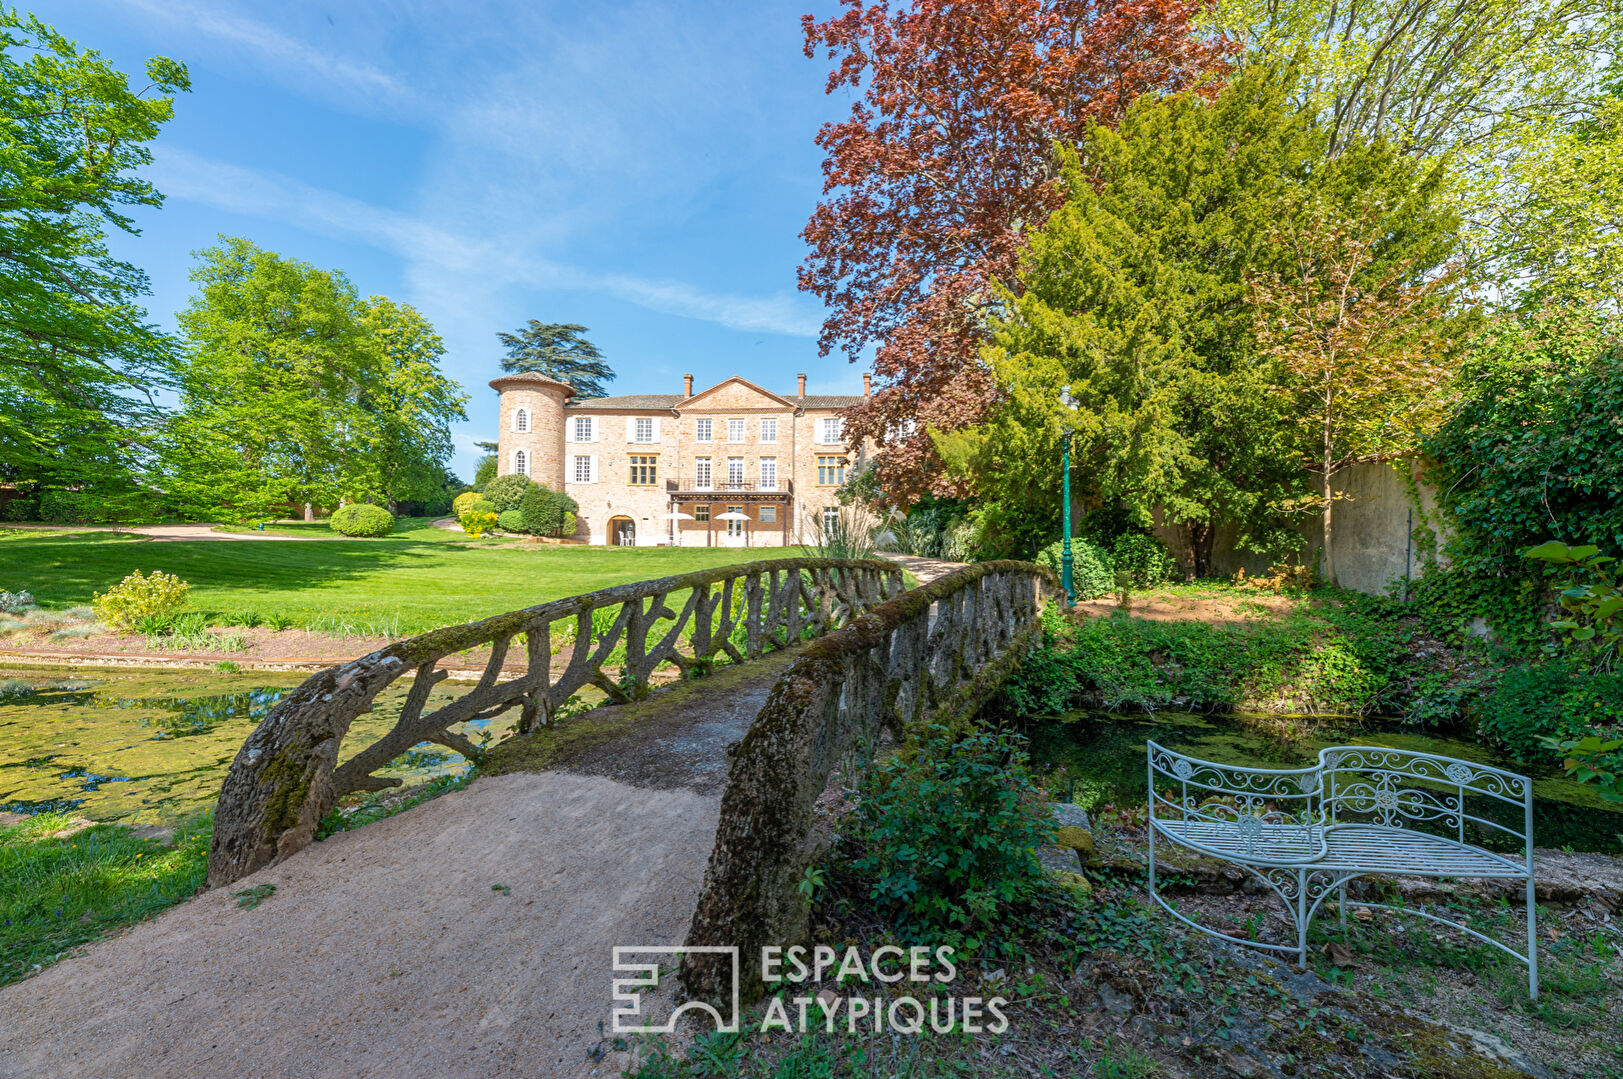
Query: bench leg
point(1301, 919)
point(1341, 904)
point(1532, 943)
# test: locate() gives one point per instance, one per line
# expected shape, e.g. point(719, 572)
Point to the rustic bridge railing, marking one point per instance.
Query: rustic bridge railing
point(934, 654)
point(286, 777)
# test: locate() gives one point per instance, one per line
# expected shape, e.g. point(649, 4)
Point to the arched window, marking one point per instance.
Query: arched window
point(521, 420)
point(521, 462)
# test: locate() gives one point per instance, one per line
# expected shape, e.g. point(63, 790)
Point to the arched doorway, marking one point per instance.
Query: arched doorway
point(622, 532)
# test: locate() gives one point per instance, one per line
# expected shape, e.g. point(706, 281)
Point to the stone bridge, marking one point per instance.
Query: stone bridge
point(472, 935)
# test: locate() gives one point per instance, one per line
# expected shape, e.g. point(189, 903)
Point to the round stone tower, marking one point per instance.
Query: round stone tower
point(532, 423)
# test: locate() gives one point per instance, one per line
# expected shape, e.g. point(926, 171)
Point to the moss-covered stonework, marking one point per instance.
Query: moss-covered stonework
point(933, 654)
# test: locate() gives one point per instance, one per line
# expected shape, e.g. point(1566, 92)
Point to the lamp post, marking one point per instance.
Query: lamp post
point(1065, 576)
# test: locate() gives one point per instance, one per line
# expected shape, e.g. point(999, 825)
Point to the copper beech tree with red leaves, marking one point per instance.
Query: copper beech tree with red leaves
point(944, 164)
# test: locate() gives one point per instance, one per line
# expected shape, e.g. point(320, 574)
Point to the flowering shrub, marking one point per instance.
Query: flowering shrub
point(462, 502)
point(476, 522)
point(13, 602)
point(138, 597)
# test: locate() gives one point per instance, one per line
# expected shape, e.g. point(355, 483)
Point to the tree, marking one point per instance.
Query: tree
point(78, 360)
point(944, 166)
point(409, 403)
point(297, 391)
point(1502, 88)
point(1134, 299)
point(1367, 351)
point(558, 350)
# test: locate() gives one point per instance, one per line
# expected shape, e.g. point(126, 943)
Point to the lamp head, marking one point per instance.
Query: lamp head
point(1066, 399)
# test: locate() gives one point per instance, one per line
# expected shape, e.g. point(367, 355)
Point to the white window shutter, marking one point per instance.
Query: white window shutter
point(656, 428)
point(631, 428)
point(591, 429)
point(593, 469)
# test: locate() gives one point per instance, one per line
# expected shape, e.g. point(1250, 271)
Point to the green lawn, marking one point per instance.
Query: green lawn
point(59, 893)
point(415, 580)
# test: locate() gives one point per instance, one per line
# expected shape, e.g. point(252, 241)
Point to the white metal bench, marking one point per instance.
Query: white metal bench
point(1306, 832)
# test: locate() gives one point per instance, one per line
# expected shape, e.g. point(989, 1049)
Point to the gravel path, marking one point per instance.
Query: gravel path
point(389, 951)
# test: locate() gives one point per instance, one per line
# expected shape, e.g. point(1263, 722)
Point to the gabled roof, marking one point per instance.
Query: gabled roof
point(786, 402)
point(629, 400)
point(830, 400)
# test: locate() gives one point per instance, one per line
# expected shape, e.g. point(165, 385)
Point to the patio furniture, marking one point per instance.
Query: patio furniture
point(1361, 810)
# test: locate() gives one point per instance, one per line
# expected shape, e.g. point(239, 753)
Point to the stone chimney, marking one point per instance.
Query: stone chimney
point(687, 386)
point(867, 384)
point(802, 379)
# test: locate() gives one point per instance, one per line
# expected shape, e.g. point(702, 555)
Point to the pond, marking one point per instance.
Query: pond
point(154, 746)
point(1099, 758)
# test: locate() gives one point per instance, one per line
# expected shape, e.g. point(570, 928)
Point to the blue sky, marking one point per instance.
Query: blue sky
point(641, 168)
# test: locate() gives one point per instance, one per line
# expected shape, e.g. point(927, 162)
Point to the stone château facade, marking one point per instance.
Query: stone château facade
point(632, 460)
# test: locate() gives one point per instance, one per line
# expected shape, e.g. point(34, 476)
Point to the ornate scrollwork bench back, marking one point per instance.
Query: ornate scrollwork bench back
point(286, 776)
point(1223, 810)
point(1361, 810)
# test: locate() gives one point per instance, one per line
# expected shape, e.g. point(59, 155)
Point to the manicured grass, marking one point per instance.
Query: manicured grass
point(418, 579)
point(56, 894)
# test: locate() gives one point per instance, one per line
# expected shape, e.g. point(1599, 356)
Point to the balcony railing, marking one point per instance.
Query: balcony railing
point(722, 488)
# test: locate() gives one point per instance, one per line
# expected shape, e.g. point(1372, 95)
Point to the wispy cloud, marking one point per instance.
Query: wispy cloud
point(276, 48)
point(472, 262)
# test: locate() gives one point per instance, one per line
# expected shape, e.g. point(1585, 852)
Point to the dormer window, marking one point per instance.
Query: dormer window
point(521, 420)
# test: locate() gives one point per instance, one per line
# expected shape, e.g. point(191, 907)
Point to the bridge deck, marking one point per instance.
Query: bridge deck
point(385, 951)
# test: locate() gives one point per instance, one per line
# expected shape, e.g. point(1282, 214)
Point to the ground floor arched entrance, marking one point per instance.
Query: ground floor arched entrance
point(622, 532)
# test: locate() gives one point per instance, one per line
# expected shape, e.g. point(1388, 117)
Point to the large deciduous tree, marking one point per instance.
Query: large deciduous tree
point(1508, 90)
point(943, 167)
point(558, 350)
point(1367, 351)
point(297, 391)
point(409, 404)
point(78, 360)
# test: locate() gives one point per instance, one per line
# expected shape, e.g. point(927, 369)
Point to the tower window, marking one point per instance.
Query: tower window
point(521, 462)
point(521, 420)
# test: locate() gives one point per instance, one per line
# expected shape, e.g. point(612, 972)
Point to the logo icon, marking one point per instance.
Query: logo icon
point(628, 1004)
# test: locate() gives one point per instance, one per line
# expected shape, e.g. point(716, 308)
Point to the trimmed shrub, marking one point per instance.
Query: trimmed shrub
point(361, 519)
point(949, 836)
point(1092, 572)
point(463, 502)
point(20, 509)
point(137, 598)
point(548, 512)
point(506, 492)
point(510, 521)
point(1144, 559)
point(13, 602)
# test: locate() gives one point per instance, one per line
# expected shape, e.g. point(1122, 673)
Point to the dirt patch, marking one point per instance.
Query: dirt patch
point(1214, 609)
point(390, 950)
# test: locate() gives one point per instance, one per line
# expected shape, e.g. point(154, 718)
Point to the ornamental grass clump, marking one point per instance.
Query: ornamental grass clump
point(138, 598)
point(949, 834)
